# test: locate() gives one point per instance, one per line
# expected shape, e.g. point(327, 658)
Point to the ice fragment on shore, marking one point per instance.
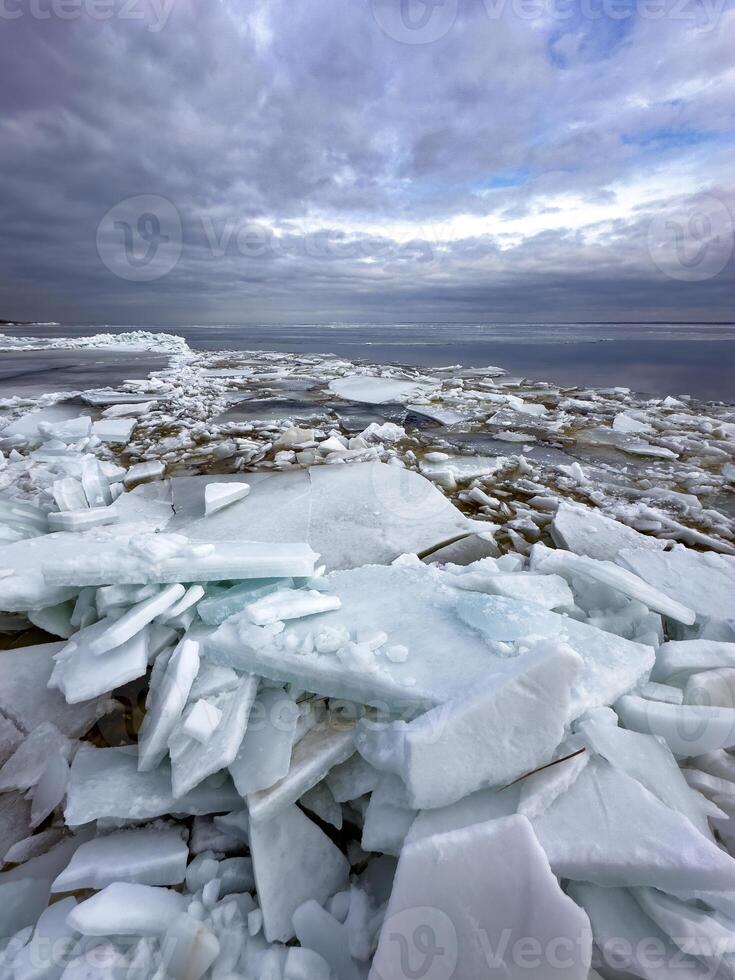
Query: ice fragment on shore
point(689, 729)
point(82, 520)
point(134, 620)
point(143, 472)
point(625, 937)
point(610, 830)
point(293, 861)
point(703, 581)
point(26, 699)
point(193, 761)
point(81, 675)
point(681, 657)
point(376, 390)
point(169, 689)
point(319, 751)
point(141, 856)
point(116, 562)
point(291, 604)
point(264, 755)
point(477, 918)
point(125, 909)
point(217, 496)
point(564, 562)
point(106, 783)
point(511, 725)
point(588, 532)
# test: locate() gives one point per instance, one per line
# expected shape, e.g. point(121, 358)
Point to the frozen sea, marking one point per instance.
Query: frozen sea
point(656, 359)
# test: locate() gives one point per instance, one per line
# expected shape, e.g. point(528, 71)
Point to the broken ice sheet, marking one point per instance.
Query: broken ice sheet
point(106, 783)
point(147, 856)
point(463, 745)
point(376, 390)
point(417, 608)
point(293, 861)
point(361, 514)
point(442, 890)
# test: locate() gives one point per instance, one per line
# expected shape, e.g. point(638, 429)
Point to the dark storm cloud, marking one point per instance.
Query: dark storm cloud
point(321, 168)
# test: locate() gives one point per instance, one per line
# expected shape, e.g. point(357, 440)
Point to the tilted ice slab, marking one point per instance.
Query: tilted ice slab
point(608, 573)
point(106, 783)
point(588, 532)
point(449, 635)
point(119, 562)
point(293, 861)
point(26, 699)
point(703, 581)
point(375, 390)
point(466, 744)
point(479, 893)
point(26, 588)
point(146, 856)
point(610, 830)
point(364, 513)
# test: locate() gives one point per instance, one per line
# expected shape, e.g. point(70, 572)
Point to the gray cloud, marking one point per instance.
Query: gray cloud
point(321, 168)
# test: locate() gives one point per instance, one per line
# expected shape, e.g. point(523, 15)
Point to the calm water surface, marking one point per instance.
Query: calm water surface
point(658, 359)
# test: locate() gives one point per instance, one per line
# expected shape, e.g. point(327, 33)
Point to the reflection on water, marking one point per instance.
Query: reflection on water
point(33, 373)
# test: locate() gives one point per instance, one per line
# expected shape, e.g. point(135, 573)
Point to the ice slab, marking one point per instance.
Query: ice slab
point(121, 562)
point(135, 619)
point(682, 657)
point(25, 767)
point(124, 909)
point(629, 943)
point(293, 861)
point(144, 857)
point(189, 948)
point(704, 581)
point(81, 675)
point(610, 830)
point(549, 591)
point(46, 955)
point(442, 891)
point(193, 761)
point(364, 513)
point(419, 609)
point(620, 579)
point(314, 756)
point(114, 430)
point(171, 682)
point(588, 532)
point(509, 726)
point(217, 496)
point(82, 520)
point(410, 603)
point(106, 783)
point(376, 390)
point(647, 759)
point(26, 699)
point(264, 755)
point(689, 729)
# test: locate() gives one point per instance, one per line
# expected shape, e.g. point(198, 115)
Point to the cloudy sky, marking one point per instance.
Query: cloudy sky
point(210, 161)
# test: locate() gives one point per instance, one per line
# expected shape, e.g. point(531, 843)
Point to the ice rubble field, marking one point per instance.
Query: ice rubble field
point(328, 690)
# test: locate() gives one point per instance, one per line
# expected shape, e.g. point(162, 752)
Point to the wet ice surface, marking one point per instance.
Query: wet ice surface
point(311, 659)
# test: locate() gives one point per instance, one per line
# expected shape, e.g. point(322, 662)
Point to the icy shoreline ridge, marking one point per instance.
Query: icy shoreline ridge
point(322, 671)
